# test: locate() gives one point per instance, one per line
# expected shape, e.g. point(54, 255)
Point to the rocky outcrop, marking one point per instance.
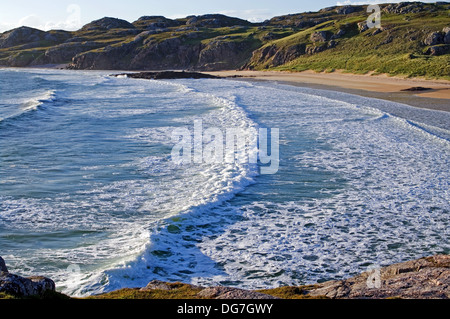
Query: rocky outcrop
point(107, 23)
point(215, 21)
point(209, 293)
point(437, 50)
point(426, 278)
point(21, 287)
point(155, 22)
point(438, 42)
point(434, 38)
point(346, 9)
point(223, 53)
point(363, 27)
point(320, 36)
point(3, 267)
point(272, 55)
point(446, 32)
point(232, 294)
point(404, 8)
point(217, 42)
point(167, 75)
point(63, 53)
point(20, 36)
point(30, 38)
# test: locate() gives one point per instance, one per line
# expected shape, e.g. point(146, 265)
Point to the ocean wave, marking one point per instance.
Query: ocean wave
point(30, 104)
point(190, 197)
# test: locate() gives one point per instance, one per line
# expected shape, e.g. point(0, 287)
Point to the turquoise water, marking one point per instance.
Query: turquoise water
point(89, 195)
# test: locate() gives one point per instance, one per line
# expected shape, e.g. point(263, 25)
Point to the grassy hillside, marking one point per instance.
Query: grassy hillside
point(414, 41)
point(396, 49)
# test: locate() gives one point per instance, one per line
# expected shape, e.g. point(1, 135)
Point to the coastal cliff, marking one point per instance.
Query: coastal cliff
point(425, 278)
point(414, 40)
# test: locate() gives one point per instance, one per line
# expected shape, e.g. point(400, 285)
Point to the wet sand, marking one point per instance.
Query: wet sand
point(374, 86)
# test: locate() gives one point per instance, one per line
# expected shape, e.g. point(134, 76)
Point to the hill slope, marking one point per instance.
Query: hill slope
point(414, 41)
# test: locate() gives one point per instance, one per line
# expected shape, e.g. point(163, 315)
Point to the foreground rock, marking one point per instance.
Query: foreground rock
point(210, 293)
point(232, 294)
point(3, 266)
point(426, 278)
point(36, 286)
point(167, 75)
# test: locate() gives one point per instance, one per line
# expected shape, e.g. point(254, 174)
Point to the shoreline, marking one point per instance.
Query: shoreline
point(383, 87)
point(371, 86)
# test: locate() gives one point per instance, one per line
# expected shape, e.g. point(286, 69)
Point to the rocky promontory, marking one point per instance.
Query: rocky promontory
point(167, 75)
point(21, 287)
point(425, 278)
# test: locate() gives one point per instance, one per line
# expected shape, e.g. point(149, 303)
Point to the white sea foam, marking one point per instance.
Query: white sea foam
point(18, 107)
point(361, 182)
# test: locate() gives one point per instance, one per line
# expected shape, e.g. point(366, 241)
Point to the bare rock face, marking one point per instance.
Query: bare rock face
point(446, 32)
point(108, 23)
point(404, 8)
point(232, 293)
point(23, 287)
point(20, 36)
point(320, 36)
point(437, 50)
point(3, 265)
point(345, 10)
point(426, 278)
point(362, 26)
point(433, 38)
point(161, 285)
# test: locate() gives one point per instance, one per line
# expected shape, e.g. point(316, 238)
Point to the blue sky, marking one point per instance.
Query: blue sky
point(72, 14)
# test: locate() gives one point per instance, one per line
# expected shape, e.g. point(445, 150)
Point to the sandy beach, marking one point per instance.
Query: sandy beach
point(375, 86)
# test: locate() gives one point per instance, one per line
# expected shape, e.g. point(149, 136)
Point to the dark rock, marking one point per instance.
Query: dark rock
point(25, 287)
point(64, 53)
point(377, 31)
point(320, 36)
point(438, 50)
point(327, 9)
point(277, 56)
point(161, 285)
point(416, 88)
point(338, 34)
point(446, 32)
point(20, 36)
point(232, 294)
point(434, 38)
point(362, 26)
point(215, 21)
point(3, 267)
point(316, 49)
point(223, 53)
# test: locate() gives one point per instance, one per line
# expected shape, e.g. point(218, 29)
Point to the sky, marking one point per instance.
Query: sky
point(73, 14)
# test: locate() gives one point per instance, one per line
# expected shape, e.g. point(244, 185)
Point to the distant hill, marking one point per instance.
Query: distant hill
point(414, 40)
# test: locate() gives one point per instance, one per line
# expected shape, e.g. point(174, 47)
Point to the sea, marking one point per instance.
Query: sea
point(90, 195)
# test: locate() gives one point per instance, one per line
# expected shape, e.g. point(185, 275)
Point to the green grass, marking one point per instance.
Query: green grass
point(397, 51)
point(177, 291)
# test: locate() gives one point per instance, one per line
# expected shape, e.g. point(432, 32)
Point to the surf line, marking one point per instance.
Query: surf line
point(235, 145)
